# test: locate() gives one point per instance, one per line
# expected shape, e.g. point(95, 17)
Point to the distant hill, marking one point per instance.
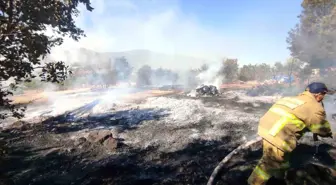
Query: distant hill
point(136, 58)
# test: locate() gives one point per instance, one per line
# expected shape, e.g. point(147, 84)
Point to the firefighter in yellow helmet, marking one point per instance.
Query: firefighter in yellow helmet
point(283, 125)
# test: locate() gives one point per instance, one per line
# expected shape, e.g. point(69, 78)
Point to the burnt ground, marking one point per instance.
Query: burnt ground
point(161, 146)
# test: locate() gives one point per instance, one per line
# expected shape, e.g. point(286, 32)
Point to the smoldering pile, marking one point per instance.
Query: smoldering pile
point(204, 90)
point(210, 90)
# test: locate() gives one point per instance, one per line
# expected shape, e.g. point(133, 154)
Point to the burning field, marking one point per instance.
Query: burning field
point(142, 92)
point(147, 137)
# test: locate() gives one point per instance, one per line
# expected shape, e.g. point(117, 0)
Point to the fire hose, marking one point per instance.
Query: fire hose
point(244, 146)
point(221, 164)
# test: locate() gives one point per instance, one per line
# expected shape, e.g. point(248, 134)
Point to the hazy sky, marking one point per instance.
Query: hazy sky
point(250, 30)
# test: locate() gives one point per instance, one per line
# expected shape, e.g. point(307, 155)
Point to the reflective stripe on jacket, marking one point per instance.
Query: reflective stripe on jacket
point(290, 117)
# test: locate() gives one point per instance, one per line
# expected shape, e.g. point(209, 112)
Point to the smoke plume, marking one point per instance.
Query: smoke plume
point(212, 75)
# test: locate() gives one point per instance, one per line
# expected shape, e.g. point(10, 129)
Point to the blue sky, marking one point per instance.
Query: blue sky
point(253, 31)
point(262, 24)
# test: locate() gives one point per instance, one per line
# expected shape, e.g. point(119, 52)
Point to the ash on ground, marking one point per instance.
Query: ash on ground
point(173, 139)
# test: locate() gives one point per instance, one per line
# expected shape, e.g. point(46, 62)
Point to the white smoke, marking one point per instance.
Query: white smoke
point(211, 76)
point(77, 104)
point(330, 107)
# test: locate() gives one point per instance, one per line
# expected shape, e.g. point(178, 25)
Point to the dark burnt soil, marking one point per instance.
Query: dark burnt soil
point(44, 158)
point(39, 155)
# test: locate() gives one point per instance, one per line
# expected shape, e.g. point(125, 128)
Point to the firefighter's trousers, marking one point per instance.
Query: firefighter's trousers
point(274, 162)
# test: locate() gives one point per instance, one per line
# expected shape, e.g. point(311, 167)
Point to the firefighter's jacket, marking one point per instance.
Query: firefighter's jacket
point(290, 117)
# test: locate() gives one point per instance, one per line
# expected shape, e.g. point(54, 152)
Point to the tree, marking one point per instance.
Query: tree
point(247, 73)
point(263, 72)
point(329, 78)
point(122, 69)
point(292, 65)
point(109, 78)
point(33, 84)
point(278, 69)
point(144, 76)
point(192, 80)
point(175, 77)
point(24, 42)
point(229, 69)
point(313, 39)
point(204, 67)
point(164, 76)
point(305, 73)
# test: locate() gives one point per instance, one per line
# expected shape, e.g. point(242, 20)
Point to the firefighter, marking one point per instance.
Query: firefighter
point(283, 125)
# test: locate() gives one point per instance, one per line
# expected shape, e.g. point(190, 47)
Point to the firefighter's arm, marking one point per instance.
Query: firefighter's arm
point(318, 124)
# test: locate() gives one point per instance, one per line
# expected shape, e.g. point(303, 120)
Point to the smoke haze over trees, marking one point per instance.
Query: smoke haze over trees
point(25, 47)
point(122, 69)
point(144, 75)
point(162, 76)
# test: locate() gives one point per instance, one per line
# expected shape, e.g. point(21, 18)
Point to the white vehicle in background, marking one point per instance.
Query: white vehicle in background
point(283, 79)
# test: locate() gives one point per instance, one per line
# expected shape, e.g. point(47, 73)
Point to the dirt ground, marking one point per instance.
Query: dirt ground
point(167, 139)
